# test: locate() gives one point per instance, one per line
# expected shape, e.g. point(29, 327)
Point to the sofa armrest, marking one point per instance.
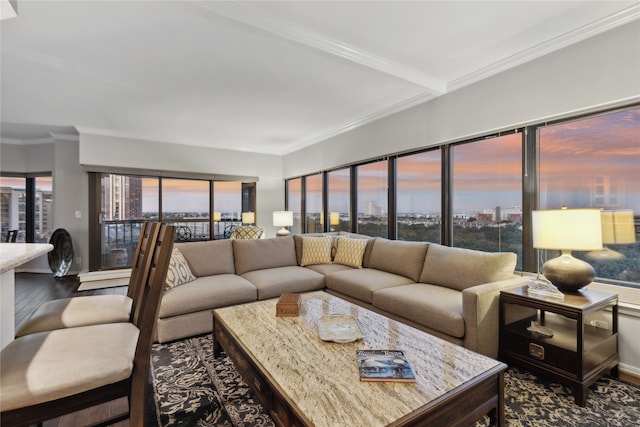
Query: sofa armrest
point(480, 307)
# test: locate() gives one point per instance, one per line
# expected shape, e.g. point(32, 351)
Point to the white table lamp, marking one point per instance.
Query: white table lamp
point(283, 219)
point(248, 217)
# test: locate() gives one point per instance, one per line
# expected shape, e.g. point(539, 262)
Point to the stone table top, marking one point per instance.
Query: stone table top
point(13, 255)
point(321, 378)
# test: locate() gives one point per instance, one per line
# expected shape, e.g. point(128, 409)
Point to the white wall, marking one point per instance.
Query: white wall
point(601, 71)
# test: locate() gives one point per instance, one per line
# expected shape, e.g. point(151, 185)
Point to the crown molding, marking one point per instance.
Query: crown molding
point(243, 13)
point(401, 106)
point(617, 19)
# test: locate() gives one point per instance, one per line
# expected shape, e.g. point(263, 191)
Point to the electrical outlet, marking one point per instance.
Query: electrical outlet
point(78, 261)
point(78, 214)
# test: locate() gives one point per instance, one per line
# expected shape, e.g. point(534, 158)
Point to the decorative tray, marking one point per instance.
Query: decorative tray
point(339, 328)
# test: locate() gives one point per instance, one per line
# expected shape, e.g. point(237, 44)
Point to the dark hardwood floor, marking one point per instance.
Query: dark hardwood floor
point(32, 290)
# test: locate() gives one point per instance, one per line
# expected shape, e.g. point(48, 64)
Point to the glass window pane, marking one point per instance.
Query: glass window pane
point(126, 202)
point(418, 192)
point(43, 209)
point(185, 204)
point(313, 200)
point(339, 205)
point(372, 184)
point(595, 163)
point(487, 195)
point(294, 203)
point(227, 206)
point(12, 206)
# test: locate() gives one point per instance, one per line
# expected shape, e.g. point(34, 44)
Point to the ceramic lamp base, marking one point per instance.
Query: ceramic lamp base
point(569, 274)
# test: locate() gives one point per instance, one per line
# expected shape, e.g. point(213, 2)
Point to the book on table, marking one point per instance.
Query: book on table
point(384, 365)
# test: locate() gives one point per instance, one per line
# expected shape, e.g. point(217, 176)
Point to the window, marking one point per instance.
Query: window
point(339, 199)
point(418, 196)
point(126, 201)
point(26, 205)
point(487, 195)
point(372, 184)
point(227, 206)
point(314, 221)
point(595, 163)
point(294, 203)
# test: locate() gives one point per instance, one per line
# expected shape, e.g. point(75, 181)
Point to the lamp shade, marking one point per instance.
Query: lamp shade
point(217, 216)
point(282, 218)
point(248, 217)
point(618, 227)
point(334, 218)
point(567, 229)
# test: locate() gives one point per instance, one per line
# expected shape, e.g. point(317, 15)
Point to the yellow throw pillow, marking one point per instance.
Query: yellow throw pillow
point(179, 272)
point(350, 251)
point(316, 250)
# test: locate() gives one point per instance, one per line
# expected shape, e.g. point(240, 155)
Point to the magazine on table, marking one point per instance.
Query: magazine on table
point(384, 365)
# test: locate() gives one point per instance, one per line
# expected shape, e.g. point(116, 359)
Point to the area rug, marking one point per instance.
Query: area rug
point(192, 388)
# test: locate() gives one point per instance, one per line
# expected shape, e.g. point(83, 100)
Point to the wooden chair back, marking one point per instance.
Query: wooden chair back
point(141, 265)
point(151, 291)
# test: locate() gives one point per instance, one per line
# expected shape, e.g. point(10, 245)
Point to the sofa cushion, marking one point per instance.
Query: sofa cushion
point(325, 269)
point(178, 272)
point(206, 293)
point(273, 282)
point(435, 307)
point(460, 268)
point(350, 251)
point(361, 283)
point(399, 257)
point(316, 250)
point(251, 255)
point(208, 258)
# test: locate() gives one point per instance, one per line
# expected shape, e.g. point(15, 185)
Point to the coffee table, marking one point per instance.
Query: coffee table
point(302, 381)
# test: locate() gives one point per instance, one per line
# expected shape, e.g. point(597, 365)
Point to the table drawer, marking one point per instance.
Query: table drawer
point(540, 352)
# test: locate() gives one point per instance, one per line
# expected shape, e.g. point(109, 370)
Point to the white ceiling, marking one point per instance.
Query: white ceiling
point(268, 77)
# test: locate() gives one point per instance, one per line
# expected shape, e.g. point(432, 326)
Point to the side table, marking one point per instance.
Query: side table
point(584, 341)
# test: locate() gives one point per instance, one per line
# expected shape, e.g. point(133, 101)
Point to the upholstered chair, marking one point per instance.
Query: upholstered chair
point(247, 232)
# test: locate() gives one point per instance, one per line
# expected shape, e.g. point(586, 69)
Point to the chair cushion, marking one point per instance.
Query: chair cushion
point(350, 251)
point(460, 268)
point(435, 307)
point(206, 293)
point(316, 250)
point(178, 272)
point(50, 365)
point(328, 268)
point(77, 311)
point(247, 232)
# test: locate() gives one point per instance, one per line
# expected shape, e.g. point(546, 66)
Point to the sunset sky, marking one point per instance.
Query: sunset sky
point(486, 174)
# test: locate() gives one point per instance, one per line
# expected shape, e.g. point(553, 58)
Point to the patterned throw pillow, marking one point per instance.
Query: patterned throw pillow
point(350, 251)
point(179, 272)
point(316, 250)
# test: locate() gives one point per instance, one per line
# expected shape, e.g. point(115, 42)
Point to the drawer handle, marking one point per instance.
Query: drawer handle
point(536, 351)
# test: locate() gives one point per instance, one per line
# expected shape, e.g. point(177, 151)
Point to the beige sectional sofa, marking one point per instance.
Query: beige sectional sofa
point(449, 292)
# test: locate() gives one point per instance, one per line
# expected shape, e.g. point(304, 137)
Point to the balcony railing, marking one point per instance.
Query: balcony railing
point(119, 238)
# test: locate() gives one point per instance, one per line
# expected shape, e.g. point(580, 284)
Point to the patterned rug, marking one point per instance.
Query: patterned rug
point(192, 388)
